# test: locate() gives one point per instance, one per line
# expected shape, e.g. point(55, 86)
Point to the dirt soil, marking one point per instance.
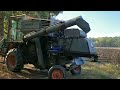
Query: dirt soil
point(28, 72)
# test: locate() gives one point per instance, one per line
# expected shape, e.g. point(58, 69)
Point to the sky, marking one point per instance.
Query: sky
point(102, 23)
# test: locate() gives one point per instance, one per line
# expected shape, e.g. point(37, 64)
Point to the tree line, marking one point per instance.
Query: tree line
point(107, 41)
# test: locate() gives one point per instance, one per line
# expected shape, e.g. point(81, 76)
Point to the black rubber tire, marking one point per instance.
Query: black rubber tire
point(78, 72)
point(57, 67)
point(18, 60)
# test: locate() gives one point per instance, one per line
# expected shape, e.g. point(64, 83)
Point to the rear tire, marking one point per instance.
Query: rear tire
point(76, 71)
point(14, 60)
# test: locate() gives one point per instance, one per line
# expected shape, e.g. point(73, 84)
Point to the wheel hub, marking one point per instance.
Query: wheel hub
point(57, 74)
point(77, 69)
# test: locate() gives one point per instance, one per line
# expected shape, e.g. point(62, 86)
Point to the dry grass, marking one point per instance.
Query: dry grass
point(99, 71)
point(89, 71)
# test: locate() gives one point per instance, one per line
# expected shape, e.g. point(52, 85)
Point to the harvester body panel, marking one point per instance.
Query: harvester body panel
point(45, 44)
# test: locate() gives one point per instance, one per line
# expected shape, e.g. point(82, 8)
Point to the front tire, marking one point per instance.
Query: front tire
point(57, 72)
point(14, 60)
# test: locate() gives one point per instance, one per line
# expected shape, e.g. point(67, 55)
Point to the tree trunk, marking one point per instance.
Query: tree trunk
point(1, 25)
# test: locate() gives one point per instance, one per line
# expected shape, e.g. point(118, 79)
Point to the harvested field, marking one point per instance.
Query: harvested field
point(111, 55)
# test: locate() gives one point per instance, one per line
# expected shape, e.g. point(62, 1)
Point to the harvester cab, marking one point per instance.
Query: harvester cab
point(12, 33)
point(48, 44)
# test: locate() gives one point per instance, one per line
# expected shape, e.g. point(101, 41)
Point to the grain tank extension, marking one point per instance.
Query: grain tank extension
point(49, 46)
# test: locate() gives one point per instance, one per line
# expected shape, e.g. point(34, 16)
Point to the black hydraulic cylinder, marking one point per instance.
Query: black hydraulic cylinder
point(81, 23)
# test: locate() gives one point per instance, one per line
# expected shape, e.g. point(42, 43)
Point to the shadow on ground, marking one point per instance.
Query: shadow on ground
point(33, 74)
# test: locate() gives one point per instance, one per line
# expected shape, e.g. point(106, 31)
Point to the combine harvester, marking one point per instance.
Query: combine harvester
point(47, 46)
